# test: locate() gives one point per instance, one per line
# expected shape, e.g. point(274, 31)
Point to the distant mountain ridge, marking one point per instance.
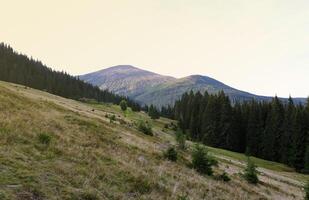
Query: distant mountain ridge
point(125, 79)
point(148, 88)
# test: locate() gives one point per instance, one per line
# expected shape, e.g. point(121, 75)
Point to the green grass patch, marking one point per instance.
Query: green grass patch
point(44, 138)
point(259, 162)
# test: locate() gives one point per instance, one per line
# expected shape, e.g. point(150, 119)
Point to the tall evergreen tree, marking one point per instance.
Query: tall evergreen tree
point(273, 131)
point(289, 127)
point(194, 125)
point(299, 140)
point(225, 123)
point(253, 130)
point(153, 112)
point(211, 119)
point(236, 138)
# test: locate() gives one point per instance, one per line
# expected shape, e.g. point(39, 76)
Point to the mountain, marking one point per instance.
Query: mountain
point(151, 88)
point(126, 80)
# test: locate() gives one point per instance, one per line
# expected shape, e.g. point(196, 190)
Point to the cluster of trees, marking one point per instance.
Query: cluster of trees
point(20, 69)
point(270, 130)
point(155, 113)
point(167, 112)
point(152, 111)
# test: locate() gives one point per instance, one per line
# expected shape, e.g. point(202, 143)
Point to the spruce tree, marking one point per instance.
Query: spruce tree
point(251, 172)
point(153, 112)
point(236, 138)
point(123, 105)
point(194, 125)
point(289, 127)
point(225, 123)
point(306, 160)
point(211, 119)
point(253, 129)
point(201, 161)
point(273, 131)
point(299, 140)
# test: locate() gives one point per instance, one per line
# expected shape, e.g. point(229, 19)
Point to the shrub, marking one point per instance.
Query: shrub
point(224, 177)
point(183, 197)
point(171, 154)
point(201, 161)
point(44, 138)
point(141, 185)
point(181, 140)
point(153, 112)
point(30, 191)
point(174, 126)
point(307, 191)
point(251, 172)
point(112, 118)
point(88, 195)
point(145, 128)
point(123, 105)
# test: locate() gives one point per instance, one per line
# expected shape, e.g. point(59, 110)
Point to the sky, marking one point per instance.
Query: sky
point(259, 46)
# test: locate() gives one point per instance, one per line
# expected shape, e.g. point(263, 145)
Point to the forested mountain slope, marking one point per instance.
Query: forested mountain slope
point(18, 68)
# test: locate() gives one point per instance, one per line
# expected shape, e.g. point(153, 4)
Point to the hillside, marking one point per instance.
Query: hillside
point(150, 88)
point(57, 148)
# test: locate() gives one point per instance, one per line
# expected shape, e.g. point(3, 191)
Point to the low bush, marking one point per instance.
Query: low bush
point(183, 197)
point(44, 138)
point(173, 126)
point(307, 191)
point(89, 196)
point(141, 185)
point(201, 161)
point(181, 140)
point(111, 118)
point(145, 128)
point(251, 172)
point(223, 177)
point(171, 154)
point(123, 105)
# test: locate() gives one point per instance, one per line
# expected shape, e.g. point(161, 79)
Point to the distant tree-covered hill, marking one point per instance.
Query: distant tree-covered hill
point(20, 69)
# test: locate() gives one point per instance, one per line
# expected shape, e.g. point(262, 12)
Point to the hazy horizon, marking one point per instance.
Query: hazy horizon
point(256, 46)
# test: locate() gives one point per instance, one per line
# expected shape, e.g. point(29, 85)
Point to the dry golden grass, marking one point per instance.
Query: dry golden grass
point(88, 157)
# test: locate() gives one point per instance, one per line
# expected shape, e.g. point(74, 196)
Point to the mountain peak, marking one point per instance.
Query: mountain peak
point(125, 79)
point(150, 88)
point(123, 67)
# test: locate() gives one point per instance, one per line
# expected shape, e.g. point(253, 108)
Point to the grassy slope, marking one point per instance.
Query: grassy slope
point(90, 157)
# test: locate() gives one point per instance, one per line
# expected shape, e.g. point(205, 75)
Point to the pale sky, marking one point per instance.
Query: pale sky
point(260, 46)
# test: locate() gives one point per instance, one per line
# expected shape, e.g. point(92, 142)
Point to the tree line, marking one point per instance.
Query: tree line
point(20, 69)
point(273, 130)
